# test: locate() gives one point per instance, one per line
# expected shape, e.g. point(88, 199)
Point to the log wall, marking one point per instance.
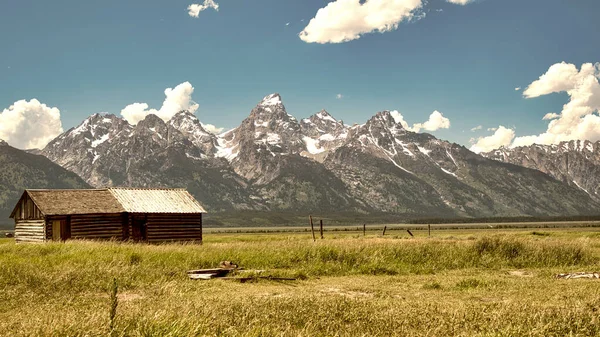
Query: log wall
point(97, 226)
point(174, 227)
point(29, 231)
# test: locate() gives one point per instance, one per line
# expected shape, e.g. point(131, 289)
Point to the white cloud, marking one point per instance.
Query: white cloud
point(195, 9)
point(579, 118)
point(492, 129)
point(29, 125)
point(550, 116)
point(177, 99)
point(287, 24)
point(559, 77)
point(502, 137)
point(346, 20)
point(517, 88)
point(399, 119)
point(460, 2)
point(339, 96)
point(212, 129)
point(436, 121)
point(478, 127)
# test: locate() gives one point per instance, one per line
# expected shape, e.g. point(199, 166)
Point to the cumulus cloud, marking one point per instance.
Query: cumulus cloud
point(339, 96)
point(436, 121)
point(502, 137)
point(551, 116)
point(460, 2)
point(195, 9)
point(177, 99)
point(30, 125)
point(579, 118)
point(517, 88)
point(478, 127)
point(346, 20)
point(212, 129)
point(492, 129)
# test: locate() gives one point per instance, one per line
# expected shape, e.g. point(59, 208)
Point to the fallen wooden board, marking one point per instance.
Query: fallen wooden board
point(208, 271)
point(201, 276)
point(579, 275)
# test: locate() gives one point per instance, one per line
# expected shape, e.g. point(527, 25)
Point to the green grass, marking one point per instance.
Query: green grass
point(469, 283)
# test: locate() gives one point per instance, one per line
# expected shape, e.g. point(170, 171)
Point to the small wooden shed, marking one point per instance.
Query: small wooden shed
point(138, 214)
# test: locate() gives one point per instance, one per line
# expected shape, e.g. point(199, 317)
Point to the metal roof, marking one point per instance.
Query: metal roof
point(146, 200)
point(113, 200)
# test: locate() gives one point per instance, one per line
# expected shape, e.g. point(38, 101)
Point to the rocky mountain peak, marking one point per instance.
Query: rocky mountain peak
point(388, 119)
point(322, 133)
point(188, 124)
point(383, 126)
point(270, 100)
point(150, 121)
point(323, 119)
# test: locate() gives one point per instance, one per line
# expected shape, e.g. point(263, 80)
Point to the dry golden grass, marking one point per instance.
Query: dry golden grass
point(468, 283)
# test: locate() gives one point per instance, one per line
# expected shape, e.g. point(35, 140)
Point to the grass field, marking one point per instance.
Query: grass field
point(467, 282)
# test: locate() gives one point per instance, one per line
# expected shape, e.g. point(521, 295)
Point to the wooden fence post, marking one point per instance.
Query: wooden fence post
point(364, 229)
point(411, 234)
point(384, 228)
point(321, 229)
point(312, 228)
point(429, 229)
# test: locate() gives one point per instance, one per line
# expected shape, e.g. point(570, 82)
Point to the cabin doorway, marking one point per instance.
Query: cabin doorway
point(56, 226)
point(61, 230)
point(139, 230)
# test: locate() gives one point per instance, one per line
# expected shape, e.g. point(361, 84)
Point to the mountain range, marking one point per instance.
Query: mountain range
point(275, 162)
point(575, 162)
point(20, 170)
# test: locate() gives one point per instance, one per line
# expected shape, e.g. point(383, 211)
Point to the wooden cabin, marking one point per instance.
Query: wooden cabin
point(147, 215)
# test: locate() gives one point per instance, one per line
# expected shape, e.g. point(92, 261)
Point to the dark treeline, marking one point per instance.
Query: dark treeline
point(504, 219)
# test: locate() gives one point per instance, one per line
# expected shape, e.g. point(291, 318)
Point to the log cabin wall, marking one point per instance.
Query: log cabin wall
point(97, 226)
point(29, 222)
point(29, 231)
point(174, 227)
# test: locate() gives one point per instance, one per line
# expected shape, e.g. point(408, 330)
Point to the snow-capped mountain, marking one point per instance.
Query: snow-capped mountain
point(268, 132)
point(106, 151)
point(189, 125)
point(388, 166)
point(322, 133)
point(272, 161)
point(575, 162)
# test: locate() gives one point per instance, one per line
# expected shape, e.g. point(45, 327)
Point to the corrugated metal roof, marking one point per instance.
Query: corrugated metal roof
point(67, 202)
point(138, 200)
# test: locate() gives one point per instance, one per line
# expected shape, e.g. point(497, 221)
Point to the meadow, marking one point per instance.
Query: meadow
point(462, 282)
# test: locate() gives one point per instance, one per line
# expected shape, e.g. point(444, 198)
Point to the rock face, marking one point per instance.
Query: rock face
point(272, 161)
point(576, 162)
point(388, 166)
point(321, 134)
point(20, 170)
point(107, 151)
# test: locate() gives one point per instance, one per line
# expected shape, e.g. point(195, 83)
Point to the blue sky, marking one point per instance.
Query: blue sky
point(462, 60)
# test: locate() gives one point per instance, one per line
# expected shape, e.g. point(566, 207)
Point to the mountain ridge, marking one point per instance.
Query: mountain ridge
point(275, 162)
point(574, 162)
